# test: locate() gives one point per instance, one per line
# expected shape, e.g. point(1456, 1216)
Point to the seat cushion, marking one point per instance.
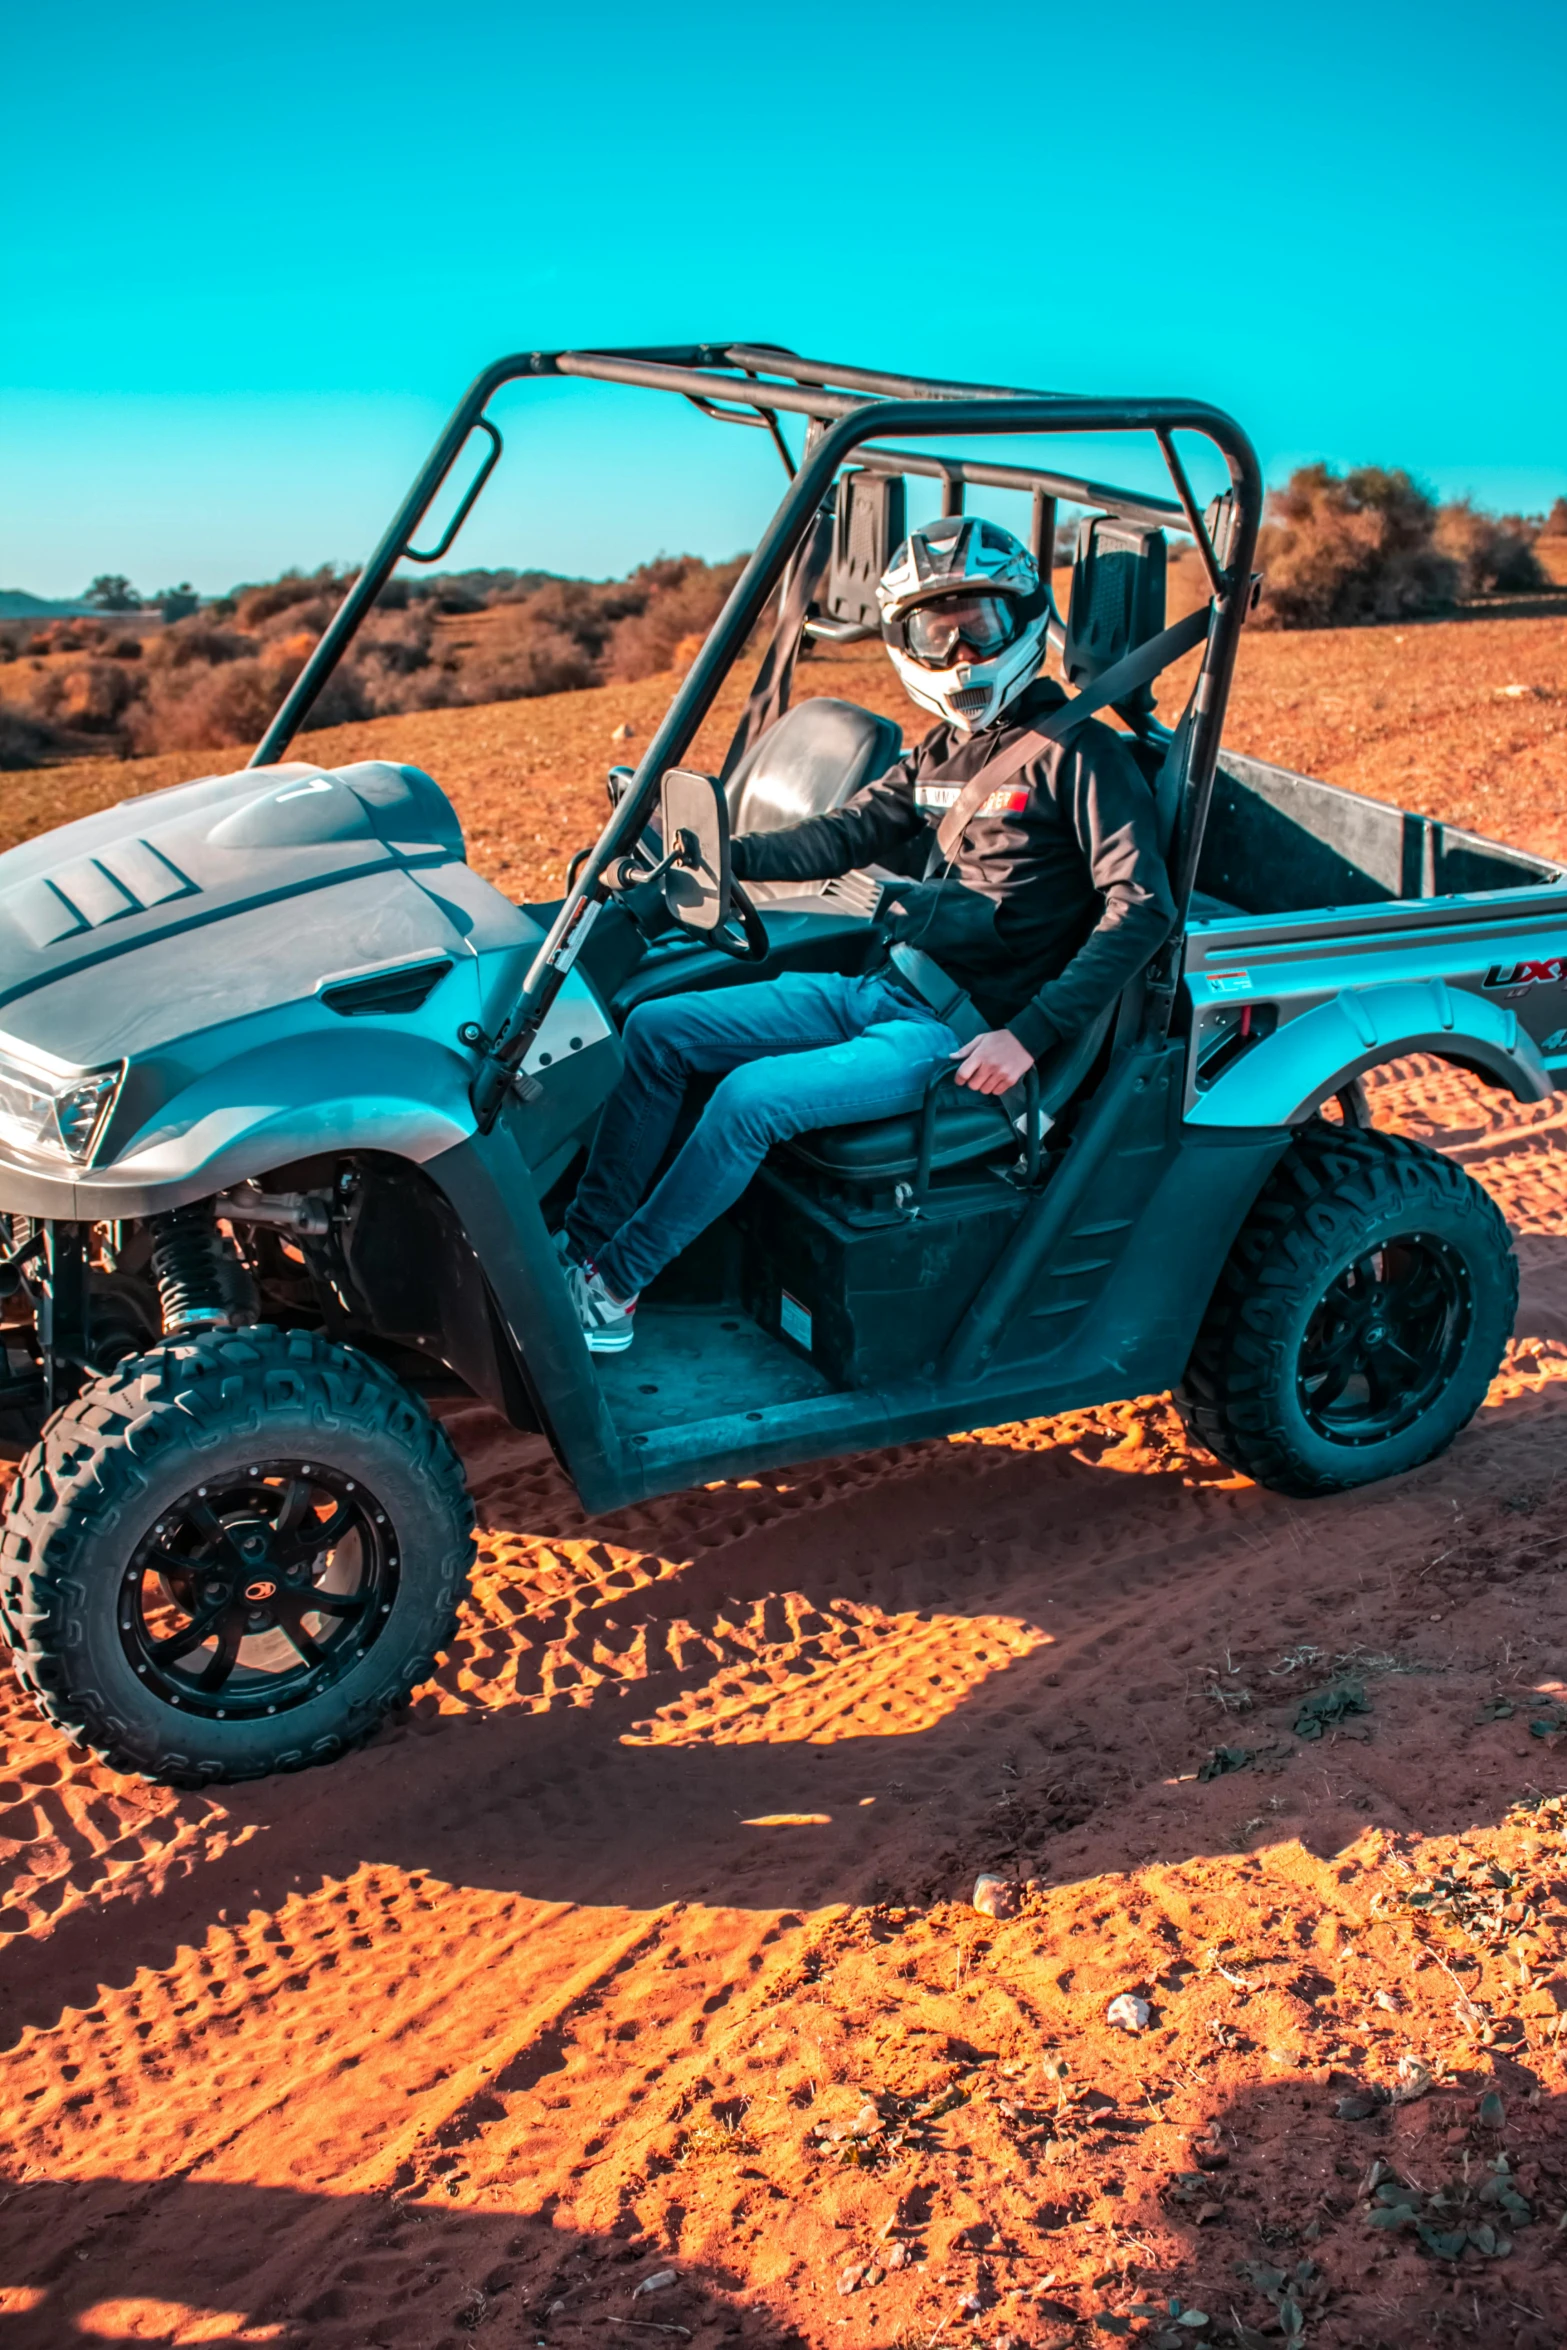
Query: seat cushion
point(886, 1150)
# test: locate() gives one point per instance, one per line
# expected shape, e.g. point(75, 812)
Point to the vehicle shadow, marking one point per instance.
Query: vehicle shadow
point(185, 2260)
point(1276, 2224)
point(872, 1680)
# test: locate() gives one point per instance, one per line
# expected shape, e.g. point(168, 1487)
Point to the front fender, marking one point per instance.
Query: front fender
point(384, 1090)
point(1282, 1080)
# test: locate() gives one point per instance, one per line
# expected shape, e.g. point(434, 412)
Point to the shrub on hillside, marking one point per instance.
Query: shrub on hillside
point(683, 598)
point(85, 696)
point(536, 659)
point(1492, 551)
point(255, 605)
point(33, 742)
point(1336, 549)
point(190, 708)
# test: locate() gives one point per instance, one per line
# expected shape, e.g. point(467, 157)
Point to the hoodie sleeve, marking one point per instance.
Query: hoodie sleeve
point(1111, 812)
point(874, 827)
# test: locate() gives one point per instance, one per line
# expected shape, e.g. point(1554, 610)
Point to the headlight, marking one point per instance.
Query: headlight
point(50, 1110)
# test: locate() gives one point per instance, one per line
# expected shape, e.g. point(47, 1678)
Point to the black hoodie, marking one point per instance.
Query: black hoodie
point(1057, 895)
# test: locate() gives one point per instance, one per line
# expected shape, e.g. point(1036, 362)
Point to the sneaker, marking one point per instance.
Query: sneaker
point(606, 1323)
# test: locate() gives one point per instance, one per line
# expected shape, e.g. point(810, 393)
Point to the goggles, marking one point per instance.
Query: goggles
point(985, 624)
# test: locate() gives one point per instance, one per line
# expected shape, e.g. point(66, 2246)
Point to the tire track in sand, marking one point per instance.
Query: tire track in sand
point(530, 1952)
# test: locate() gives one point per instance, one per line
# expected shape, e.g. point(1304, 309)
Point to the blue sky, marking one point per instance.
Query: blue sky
point(252, 257)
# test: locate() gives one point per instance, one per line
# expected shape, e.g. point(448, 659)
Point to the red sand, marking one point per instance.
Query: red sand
point(643, 1945)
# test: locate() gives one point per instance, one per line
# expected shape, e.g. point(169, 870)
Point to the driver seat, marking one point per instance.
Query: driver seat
point(968, 1127)
point(816, 757)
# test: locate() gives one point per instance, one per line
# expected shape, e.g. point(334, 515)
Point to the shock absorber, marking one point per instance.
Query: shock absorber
point(189, 1268)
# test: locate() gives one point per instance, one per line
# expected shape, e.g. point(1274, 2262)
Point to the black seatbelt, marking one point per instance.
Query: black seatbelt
point(1136, 668)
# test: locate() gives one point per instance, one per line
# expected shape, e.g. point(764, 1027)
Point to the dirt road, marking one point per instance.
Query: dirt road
point(642, 1947)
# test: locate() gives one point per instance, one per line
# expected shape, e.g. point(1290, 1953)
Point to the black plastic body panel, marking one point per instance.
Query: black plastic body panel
point(1186, 1197)
point(881, 1294)
point(412, 1269)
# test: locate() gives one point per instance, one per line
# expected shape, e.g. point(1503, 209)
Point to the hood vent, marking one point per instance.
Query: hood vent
point(386, 992)
point(127, 878)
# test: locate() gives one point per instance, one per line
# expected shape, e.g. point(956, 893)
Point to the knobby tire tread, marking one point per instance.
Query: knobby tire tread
point(1330, 1178)
point(89, 1465)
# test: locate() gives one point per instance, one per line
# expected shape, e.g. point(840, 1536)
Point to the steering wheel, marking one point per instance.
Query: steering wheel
point(642, 895)
point(750, 942)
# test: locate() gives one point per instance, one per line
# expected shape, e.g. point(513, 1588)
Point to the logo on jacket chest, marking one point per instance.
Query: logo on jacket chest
point(1010, 800)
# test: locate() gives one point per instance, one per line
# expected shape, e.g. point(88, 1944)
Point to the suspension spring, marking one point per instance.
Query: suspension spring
point(188, 1266)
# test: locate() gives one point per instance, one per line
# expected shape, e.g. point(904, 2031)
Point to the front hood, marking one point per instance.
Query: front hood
point(202, 852)
point(283, 961)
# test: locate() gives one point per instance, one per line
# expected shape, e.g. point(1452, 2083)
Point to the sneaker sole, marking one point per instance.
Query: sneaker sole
point(608, 1342)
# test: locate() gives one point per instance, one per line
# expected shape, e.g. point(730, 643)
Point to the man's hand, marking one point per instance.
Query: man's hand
point(994, 1062)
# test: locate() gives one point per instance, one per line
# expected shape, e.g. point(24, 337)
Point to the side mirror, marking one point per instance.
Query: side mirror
point(694, 820)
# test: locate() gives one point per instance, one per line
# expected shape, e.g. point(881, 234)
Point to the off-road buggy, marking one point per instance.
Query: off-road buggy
point(290, 1100)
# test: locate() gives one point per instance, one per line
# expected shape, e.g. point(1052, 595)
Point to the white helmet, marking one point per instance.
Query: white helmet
point(964, 616)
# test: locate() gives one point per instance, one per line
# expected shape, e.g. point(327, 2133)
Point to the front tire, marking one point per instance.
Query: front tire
point(1359, 1320)
point(233, 1555)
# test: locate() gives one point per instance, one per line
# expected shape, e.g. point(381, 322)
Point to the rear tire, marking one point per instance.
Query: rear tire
point(1359, 1320)
point(233, 1555)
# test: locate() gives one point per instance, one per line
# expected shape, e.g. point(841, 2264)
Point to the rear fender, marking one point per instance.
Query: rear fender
point(1284, 1078)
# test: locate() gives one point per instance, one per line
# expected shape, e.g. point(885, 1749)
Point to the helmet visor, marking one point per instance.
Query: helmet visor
point(984, 623)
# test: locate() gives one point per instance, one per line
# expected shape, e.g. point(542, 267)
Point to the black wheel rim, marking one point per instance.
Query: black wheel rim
point(258, 1590)
point(1384, 1339)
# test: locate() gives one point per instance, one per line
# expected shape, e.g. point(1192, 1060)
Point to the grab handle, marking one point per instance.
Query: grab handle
point(434, 554)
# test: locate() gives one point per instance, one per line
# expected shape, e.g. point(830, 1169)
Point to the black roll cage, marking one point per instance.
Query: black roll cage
point(848, 409)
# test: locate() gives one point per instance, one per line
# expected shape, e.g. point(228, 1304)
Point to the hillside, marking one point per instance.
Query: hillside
point(1463, 720)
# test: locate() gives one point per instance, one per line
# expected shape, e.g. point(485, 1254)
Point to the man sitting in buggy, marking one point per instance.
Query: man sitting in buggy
point(1047, 895)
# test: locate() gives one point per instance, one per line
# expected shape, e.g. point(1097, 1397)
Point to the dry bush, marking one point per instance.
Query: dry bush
point(1493, 552)
point(534, 659)
point(217, 675)
point(255, 605)
point(1555, 524)
point(33, 742)
point(196, 644)
point(393, 663)
point(683, 599)
point(85, 696)
point(1336, 549)
point(186, 709)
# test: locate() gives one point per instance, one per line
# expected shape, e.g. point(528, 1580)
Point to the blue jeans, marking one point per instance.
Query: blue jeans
point(810, 1048)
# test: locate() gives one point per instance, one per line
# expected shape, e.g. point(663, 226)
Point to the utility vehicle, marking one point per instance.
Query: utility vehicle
point(290, 1099)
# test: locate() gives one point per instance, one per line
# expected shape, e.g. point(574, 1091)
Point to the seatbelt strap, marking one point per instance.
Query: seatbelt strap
point(946, 998)
point(1137, 668)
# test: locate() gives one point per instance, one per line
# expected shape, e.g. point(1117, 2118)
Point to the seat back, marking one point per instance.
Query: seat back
point(868, 524)
point(1117, 599)
point(815, 757)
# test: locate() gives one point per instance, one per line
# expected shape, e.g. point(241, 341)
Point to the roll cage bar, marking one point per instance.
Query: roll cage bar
point(849, 410)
